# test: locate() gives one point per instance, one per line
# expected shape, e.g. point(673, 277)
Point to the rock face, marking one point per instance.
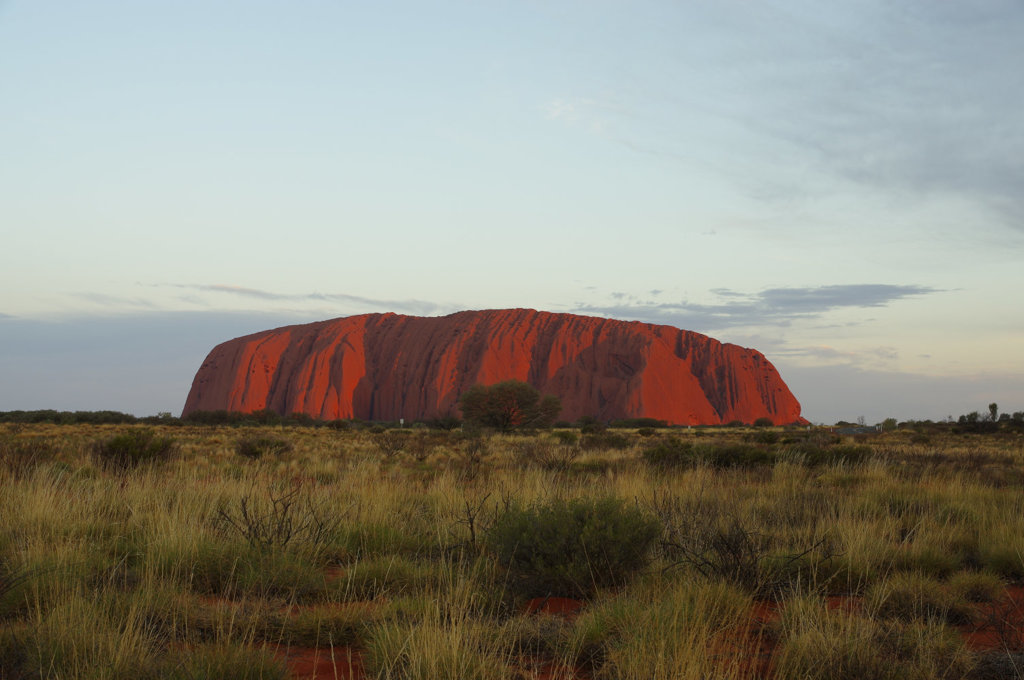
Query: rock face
point(389, 366)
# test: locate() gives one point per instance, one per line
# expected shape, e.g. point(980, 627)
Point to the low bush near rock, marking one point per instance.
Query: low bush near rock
point(674, 452)
point(572, 548)
point(134, 448)
point(257, 447)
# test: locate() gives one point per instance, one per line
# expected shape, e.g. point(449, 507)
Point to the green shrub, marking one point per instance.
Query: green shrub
point(627, 423)
point(764, 422)
point(571, 548)
point(218, 417)
point(447, 423)
point(670, 452)
point(134, 448)
point(814, 454)
point(604, 441)
point(300, 419)
point(673, 452)
point(509, 405)
point(737, 455)
point(566, 437)
point(266, 416)
point(766, 437)
point(257, 447)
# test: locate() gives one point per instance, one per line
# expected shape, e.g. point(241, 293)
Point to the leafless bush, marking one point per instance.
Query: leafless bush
point(716, 542)
point(391, 442)
point(283, 519)
point(473, 515)
point(555, 456)
point(422, 444)
point(472, 446)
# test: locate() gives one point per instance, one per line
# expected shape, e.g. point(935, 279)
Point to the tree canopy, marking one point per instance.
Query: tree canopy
point(509, 405)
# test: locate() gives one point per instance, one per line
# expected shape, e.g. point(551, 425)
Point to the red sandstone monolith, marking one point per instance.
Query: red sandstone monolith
point(389, 366)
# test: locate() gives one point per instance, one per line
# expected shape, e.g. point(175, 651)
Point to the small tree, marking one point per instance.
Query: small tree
point(508, 405)
point(993, 412)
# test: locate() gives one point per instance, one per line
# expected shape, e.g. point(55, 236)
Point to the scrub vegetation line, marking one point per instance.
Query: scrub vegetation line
point(150, 550)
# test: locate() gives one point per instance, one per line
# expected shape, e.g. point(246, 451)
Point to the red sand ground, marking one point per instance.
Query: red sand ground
point(998, 626)
point(341, 663)
point(557, 606)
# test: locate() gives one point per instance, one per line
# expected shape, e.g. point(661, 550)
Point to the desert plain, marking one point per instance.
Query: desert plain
point(353, 550)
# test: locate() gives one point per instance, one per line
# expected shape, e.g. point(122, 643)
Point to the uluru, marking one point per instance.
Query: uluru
point(390, 366)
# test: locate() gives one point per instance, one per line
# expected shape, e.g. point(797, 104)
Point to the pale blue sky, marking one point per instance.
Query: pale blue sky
point(835, 184)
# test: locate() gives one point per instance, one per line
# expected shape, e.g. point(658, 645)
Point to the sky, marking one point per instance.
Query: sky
point(838, 185)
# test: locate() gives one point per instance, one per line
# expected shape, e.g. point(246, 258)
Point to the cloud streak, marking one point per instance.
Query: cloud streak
point(411, 305)
point(104, 300)
point(901, 99)
point(774, 306)
point(915, 101)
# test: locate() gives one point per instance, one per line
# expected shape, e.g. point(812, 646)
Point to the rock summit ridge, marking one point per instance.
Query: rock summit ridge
point(391, 366)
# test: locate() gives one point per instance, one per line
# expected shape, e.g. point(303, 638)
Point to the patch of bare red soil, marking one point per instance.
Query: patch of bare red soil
point(750, 646)
point(556, 606)
point(357, 607)
point(999, 626)
point(340, 663)
point(553, 671)
point(541, 669)
point(847, 603)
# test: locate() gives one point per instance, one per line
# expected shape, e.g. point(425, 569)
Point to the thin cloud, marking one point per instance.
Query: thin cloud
point(915, 100)
point(596, 116)
point(908, 101)
point(412, 306)
point(831, 355)
point(239, 290)
point(114, 301)
point(823, 298)
point(774, 306)
point(562, 109)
